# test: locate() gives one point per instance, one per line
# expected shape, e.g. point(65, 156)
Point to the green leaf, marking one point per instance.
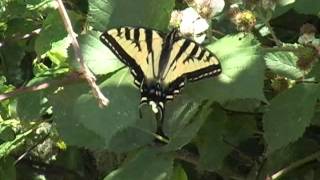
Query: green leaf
point(146, 13)
point(52, 32)
point(210, 143)
point(9, 146)
point(179, 173)
point(97, 56)
point(311, 7)
point(148, 164)
point(288, 115)
point(284, 64)
point(31, 105)
point(19, 27)
point(11, 58)
point(53, 36)
point(7, 168)
point(242, 105)
point(118, 127)
point(242, 71)
point(16, 9)
point(216, 134)
point(184, 119)
point(6, 132)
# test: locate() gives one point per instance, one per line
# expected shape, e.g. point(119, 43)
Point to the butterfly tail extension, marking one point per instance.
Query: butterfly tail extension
point(158, 109)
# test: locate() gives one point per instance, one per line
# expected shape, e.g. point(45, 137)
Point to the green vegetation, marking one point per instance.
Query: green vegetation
point(258, 120)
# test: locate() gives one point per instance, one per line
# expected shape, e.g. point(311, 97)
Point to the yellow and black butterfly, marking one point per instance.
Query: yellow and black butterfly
point(160, 64)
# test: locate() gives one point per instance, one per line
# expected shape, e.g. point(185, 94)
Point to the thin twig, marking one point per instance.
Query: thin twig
point(56, 170)
point(235, 148)
point(274, 37)
point(20, 37)
point(241, 112)
point(31, 148)
point(296, 164)
point(102, 100)
point(71, 78)
point(276, 49)
point(187, 156)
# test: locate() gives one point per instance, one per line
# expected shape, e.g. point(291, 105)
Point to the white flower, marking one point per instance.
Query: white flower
point(193, 24)
point(209, 8)
point(306, 38)
point(176, 18)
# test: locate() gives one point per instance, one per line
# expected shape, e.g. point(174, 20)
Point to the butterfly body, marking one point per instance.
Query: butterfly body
point(161, 65)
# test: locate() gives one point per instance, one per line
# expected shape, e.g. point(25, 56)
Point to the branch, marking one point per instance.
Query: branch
point(71, 78)
point(187, 156)
point(102, 100)
point(51, 169)
point(296, 164)
point(276, 49)
point(21, 36)
point(241, 112)
point(31, 148)
point(274, 37)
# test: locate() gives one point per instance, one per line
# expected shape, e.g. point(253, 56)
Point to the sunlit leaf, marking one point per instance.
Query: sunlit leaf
point(146, 13)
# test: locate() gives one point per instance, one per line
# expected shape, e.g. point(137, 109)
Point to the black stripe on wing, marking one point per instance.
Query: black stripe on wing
point(121, 53)
point(197, 63)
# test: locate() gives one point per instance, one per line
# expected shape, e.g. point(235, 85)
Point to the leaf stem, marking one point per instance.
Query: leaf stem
point(294, 165)
point(187, 156)
point(274, 37)
point(102, 100)
point(275, 49)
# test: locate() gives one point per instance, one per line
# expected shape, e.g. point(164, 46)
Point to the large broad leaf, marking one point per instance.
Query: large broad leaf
point(179, 173)
point(242, 71)
point(118, 127)
point(7, 168)
point(148, 164)
point(288, 115)
point(52, 35)
point(210, 143)
point(216, 134)
point(7, 147)
point(183, 121)
point(311, 7)
point(53, 38)
point(6, 132)
point(104, 14)
point(284, 64)
point(11, 59)
point(20, 26)
point(31, 105)
point(97, 56)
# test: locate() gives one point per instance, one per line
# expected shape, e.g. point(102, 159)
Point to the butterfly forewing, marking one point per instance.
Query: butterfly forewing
point(137, 48)
point(188, 61)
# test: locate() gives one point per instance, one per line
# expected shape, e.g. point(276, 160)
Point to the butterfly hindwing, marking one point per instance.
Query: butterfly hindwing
point(188, 61)
point(138, 48)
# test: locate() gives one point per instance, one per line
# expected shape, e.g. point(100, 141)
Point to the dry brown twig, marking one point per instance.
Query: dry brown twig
point(84, 70)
